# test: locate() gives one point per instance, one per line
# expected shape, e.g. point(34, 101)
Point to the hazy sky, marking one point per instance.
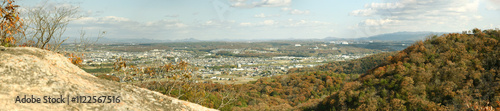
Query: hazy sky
point(276, 19)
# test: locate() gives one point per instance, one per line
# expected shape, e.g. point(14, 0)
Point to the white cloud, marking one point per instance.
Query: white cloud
point(418, 14)
point(269, 22)
point(260, 3)
point(421, 7)
point(119, 27)
point(465, 7)
point(384, 5)
point(294, 11)
point(239, 4)
point(497, 2)
point(299, 12)
point(101, 20)
point(166, 24)
point(126, 28)
point(262, 15)
point(114, 18)
point(208, 23)
point(492, 8)
point(493, 5)
point(372, 22)
point(262, 23)
point(363, 12)
point(246, 24)
point(214, 24)
point(286, 9)
point(288, 23)
point(277, 3)
point(306, 23)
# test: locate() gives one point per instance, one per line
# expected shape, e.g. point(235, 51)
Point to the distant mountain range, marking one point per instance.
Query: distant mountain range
point(396, 36)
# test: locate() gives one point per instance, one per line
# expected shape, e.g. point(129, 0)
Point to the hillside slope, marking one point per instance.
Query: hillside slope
point(355, 66)
point(32, 71)
point(450, 72)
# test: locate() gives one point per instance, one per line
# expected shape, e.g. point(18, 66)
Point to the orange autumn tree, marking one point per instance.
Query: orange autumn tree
point(75, 59)
point(10, 23)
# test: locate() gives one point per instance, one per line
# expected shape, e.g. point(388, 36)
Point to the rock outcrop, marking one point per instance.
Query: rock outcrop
point(40, 73)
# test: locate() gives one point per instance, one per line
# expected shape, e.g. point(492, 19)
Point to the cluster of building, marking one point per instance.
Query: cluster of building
point(213, 68)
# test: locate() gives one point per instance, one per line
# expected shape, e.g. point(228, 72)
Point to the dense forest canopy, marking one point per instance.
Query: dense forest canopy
point(356, 66)
point(449, 72)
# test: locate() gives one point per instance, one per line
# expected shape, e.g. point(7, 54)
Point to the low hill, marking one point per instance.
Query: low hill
point(449, 72)
point(355, 66)
point(403, 36)
point(39, 73)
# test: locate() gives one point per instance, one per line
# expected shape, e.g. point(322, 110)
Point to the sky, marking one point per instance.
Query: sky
point(274, 19)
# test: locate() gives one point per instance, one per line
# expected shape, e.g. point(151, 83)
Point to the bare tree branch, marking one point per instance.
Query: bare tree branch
point(47, 24)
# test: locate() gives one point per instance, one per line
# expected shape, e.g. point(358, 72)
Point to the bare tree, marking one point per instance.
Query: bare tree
point(47, 24)
point(85, 42)
point(228, 96)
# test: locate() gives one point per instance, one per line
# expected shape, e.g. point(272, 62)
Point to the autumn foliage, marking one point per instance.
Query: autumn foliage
point(75, 59)
point(449, 72)
point(10, 23)
point(356, 66)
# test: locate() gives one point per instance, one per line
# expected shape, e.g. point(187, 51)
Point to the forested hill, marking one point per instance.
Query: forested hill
point(450, 72)
point(356, 66)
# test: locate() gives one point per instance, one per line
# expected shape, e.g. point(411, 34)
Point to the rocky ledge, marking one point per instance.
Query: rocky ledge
point(37, 73)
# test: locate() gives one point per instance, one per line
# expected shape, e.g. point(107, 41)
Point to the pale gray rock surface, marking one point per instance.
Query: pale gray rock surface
point(32, 71)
